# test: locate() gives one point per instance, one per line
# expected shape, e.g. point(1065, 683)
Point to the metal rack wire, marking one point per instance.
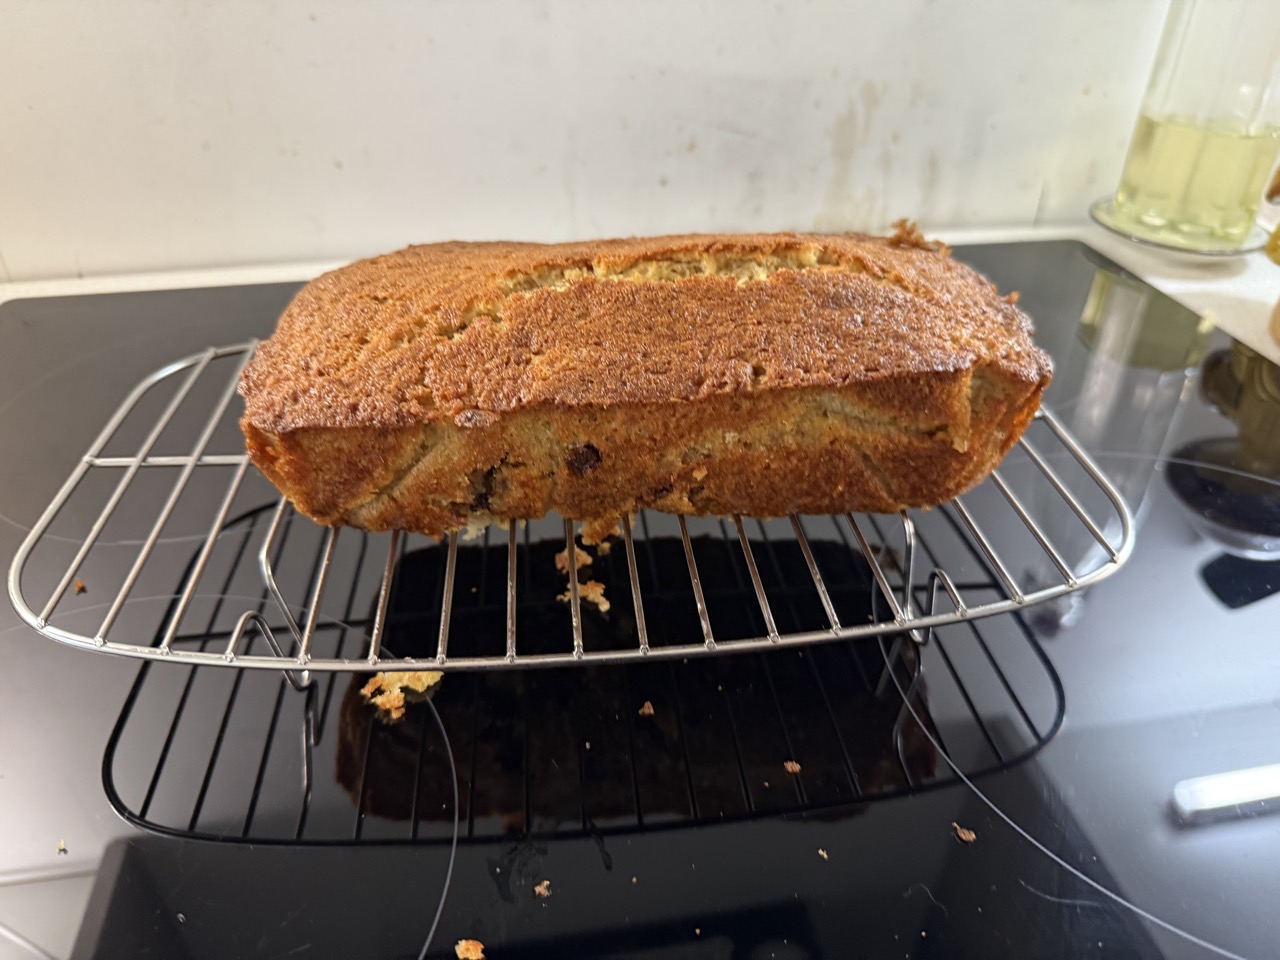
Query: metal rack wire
point(1077, 527)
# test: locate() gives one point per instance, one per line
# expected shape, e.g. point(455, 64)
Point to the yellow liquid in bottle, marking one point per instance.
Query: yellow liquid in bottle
point(1194, 184)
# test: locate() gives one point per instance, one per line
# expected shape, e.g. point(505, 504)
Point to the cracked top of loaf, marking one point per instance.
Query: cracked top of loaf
point(465, 332)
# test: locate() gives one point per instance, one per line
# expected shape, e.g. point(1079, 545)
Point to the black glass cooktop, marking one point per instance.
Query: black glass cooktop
point(209, 817)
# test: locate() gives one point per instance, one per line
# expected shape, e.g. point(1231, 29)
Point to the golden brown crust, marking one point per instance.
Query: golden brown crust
point(762, 374)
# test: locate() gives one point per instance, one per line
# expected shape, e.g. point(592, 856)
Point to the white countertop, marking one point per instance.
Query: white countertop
point(1238, 294)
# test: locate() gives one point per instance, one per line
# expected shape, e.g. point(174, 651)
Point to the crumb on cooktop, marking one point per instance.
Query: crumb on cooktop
point(469, 950)
point(591, 591)
point(543, 889)
point(823, 854)
point(633, 879)
point(387, 691)
point(963, 834)
point(647, 709)
point(80, 586)
point(791, 766)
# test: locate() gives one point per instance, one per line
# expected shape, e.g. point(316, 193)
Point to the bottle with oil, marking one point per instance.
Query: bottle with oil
point(1209, 131)
point(1273, 242)
point(1195, 183)
point(1273, 251)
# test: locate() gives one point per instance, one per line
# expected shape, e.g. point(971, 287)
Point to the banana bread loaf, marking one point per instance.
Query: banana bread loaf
point(760, 374)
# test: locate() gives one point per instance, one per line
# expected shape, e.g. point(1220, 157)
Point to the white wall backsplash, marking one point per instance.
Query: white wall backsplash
point(158, 134)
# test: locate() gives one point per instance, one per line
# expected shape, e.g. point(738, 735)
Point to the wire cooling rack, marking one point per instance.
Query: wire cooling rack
point(1046, 524)
point(655, 745)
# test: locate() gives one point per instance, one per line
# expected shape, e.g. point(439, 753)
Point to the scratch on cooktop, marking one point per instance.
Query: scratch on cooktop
point(1064, 900)
point(907, 892)
point(294, 952)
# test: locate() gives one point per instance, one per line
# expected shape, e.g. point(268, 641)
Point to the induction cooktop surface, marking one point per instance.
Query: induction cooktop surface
point(1006, 791)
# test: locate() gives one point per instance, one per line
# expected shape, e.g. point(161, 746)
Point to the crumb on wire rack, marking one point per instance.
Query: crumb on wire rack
point(596, 532)
point(590, 591)
point(581, 558)
point(791, 766)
